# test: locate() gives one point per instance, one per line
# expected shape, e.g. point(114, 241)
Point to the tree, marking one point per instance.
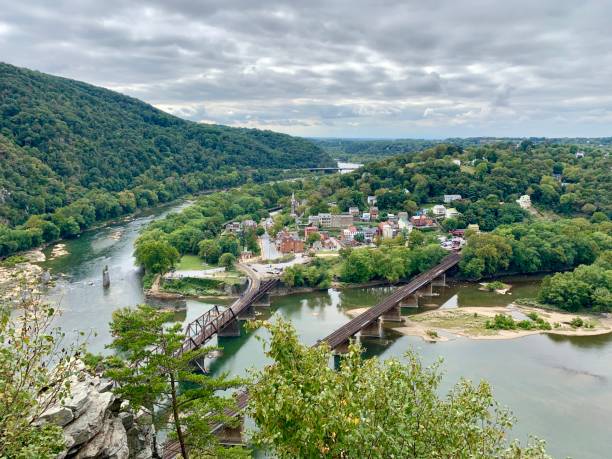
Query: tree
point(156, 256)
point(227, 260)
point(304, 408)
point(154, 375)
point(312, 238)
point(209, 250)
point(357, 266)
point(28, 384)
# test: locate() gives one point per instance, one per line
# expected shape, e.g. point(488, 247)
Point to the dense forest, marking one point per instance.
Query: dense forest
point(368, 150)
point(565, 179)
point(72, 154)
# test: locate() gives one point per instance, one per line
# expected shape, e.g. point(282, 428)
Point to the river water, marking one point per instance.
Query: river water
point(559, 388)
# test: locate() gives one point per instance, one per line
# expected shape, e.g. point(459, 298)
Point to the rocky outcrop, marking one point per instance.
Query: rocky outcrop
point(99, 425)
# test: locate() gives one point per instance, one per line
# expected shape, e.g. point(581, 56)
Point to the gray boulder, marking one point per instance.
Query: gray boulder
point(110, 442)
point(89, 423)
point(59, 415)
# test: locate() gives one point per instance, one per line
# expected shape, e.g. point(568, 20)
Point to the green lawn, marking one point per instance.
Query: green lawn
point(190, 263)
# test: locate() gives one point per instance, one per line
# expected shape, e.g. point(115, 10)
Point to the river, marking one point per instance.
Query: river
point(559, 388)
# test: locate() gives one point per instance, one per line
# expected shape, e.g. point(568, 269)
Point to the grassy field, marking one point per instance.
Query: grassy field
point(191, 262)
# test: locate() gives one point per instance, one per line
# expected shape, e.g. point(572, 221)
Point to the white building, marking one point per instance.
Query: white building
point(457, 162)
point(438, 210)
point(451, 212)
point(371, 200)
point(387, 231)
point(524, 201)
point(314, 220)
point(325, 219)
point(353, 211)
point(365, 217)
point(448, 198)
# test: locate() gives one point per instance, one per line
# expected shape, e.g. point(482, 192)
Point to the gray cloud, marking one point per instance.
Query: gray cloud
point(347, 68)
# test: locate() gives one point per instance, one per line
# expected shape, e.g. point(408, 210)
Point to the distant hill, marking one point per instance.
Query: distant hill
point(60, 139)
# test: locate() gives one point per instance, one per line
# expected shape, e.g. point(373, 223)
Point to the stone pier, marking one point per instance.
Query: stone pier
point(393, 315)
point(231, 329)
point(263, 302)
point(426, 290)
point(247, 314)
point(439, 281)
point(411, 301)
point(105, 277)
point(372, 330)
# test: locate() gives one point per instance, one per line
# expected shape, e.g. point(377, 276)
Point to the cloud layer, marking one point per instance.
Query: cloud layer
point(336, 68)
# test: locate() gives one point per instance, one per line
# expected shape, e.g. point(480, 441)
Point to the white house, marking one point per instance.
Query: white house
point(314, 220)
point(387, 231)
point(371, 200)
point(438, 210)
point(365, 217)
point(448, 198)
point(451, 212)
point(457, 162)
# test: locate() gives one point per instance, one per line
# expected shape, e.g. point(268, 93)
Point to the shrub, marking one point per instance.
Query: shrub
point(577, 322)
point(496, 285)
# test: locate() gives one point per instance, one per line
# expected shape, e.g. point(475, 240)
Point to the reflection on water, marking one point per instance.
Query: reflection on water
point(560, 388)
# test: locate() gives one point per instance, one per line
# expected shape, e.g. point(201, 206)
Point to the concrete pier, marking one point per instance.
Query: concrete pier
point(372, 330)
point(393, 315)
point(231, 329)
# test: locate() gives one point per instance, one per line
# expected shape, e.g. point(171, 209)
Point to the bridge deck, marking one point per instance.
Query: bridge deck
point(351, 328)
point(210, 323)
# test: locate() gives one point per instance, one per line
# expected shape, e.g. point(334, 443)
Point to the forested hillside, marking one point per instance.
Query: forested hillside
point(91, 137)
point(367, 150)
point(74, 154)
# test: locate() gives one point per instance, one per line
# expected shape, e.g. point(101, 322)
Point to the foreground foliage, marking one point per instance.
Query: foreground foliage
point(370, 408)
point(154, 376)
point(35, 370)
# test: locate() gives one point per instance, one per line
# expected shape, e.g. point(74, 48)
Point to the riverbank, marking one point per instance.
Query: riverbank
point(471, 322)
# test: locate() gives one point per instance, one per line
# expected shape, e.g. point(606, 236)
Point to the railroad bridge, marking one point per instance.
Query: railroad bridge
point(226, 322)
point(365, 324)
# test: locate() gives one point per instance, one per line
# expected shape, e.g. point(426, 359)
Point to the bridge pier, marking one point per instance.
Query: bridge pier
point(393, 315)
point(231, 329)
point(426, 290)
point(411, 301)
point(439, 281)
point(199, 364)
point(247, 314)
point(372, 330)
point(232, 436)
point(263, 301)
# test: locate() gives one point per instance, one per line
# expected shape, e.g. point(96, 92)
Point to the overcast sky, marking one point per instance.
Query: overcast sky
point(336, 68)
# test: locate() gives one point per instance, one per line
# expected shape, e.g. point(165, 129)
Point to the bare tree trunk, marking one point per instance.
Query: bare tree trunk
point(177, 422)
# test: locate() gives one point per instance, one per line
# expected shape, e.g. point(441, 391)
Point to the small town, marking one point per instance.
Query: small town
point(325, 233)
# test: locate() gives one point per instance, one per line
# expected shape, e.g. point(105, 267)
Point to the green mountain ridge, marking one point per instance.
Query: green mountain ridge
point(76, 137)
point(73, 154)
